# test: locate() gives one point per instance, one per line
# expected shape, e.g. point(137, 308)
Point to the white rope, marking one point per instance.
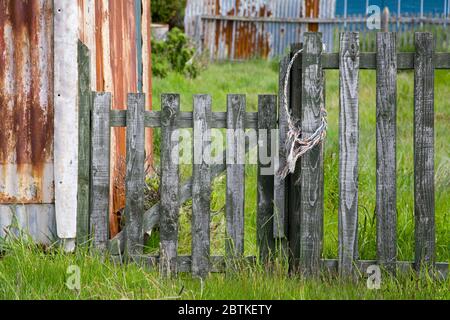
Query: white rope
point(297, 145)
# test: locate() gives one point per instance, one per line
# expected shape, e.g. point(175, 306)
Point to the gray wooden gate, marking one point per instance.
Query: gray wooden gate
point(290, 211)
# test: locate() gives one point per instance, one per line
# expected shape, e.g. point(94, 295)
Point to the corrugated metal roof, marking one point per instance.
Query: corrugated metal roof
point(26, 101)
point(230, 39)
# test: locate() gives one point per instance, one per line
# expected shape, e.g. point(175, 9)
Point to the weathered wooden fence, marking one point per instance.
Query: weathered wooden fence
point(289, 211)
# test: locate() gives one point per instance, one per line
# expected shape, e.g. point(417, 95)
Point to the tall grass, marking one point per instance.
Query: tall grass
point(31, 272)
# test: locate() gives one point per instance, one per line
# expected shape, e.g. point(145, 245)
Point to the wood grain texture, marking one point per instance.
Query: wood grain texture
point(169, 188)
point(184, 119)
point(84, 145)
point(234, 245)
point(280, 221)
point(293, 180)
point(135, 175)
point(348, 152)
point(386, 190)
point(424, 150)
point(267, 117)
point(100, 170)
point(201, 186)
point(311, 174)
point(405, 60)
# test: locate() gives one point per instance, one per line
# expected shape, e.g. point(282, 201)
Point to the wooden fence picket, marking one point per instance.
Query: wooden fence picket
point(100, 166)
point(348, 152)
point(201, 186)
point(424, 150)
point(280, 185)
point(169, 188)
point(235, 175)
point(267, 118)
point(294, 194)
point(135, 176)
point(84, 144)
point(311, 174)
point(386, 203)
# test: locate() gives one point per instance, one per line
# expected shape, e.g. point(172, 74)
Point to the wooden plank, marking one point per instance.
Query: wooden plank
point(311, 203)
point(169, 188)
point(386, 203)
point(64, 49)
point(424, 150)
point(84, 144)
point(267, 118)
point(135, 175)
point(348, 152)
point(201, 186)
point(184, 120)
point(100, 169)
point(280, 185)
point(405, 60)
point(294, 179)
point(234, 244)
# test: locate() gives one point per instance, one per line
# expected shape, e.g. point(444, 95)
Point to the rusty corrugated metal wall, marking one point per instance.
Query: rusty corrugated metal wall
point(26, 102)
point(236, 40)
point(118, 35)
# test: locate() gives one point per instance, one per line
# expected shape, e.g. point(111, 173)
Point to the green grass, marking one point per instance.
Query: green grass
point(28, 272)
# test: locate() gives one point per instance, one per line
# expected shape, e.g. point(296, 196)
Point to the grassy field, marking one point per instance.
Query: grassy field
point(27, 272)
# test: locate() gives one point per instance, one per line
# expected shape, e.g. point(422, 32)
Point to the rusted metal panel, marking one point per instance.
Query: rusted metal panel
point(118, 32)
point(238, 39)
point(26, 102)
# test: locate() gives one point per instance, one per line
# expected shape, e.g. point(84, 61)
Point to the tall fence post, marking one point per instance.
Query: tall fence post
point(424, 150)
point(84, 146)
point(100, 170)
point(135, 176)
point(311, 174)
point(348, 152)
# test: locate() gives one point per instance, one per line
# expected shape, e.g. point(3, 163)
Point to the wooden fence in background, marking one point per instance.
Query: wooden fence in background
point(289, 211)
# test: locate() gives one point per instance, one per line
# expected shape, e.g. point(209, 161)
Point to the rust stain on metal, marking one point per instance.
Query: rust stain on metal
point(116, 71)
point(238, 39)
point(26, 101)
point(312, 11)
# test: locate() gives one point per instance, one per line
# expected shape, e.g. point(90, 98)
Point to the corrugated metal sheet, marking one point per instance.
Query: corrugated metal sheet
point(26, 101)
point(230, 39)
point(118, 35)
